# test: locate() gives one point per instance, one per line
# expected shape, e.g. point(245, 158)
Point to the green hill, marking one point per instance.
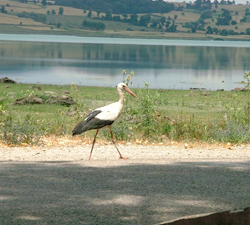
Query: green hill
point(185, 20)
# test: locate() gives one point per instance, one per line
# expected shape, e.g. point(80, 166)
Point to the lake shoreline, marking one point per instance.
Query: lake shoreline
point(118, 40)
point(202, 90)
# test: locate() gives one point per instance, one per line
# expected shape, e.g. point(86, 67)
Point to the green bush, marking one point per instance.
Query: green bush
point(93, 25)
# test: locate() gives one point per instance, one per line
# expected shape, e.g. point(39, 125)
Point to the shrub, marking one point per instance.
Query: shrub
point(93, 25)
point(17, 132)
point(233, 132)
point(148, 124)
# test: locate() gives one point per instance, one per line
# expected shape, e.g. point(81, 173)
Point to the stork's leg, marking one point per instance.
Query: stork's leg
point(113, 140)
point(93, 144)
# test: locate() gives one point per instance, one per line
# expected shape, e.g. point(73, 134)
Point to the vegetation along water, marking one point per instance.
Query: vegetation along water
point(158, 115)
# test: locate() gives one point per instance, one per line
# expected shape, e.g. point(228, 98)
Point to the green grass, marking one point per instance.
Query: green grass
point(158, 115)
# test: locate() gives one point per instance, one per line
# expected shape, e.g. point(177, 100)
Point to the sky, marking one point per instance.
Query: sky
point(236, 1)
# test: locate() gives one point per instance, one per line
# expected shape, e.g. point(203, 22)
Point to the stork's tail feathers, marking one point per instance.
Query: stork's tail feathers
point(86, 124)
point(80, 128)
point(91, 123)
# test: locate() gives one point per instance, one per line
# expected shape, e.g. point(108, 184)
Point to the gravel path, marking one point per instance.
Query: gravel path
point(58, 185)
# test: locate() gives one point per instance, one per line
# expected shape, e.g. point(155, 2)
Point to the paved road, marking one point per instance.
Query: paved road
point(120, 192)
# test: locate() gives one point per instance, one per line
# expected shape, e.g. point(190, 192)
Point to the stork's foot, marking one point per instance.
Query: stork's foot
point(121, 157)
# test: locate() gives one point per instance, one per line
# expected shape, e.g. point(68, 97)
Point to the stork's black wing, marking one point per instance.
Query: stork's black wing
point(90, 123)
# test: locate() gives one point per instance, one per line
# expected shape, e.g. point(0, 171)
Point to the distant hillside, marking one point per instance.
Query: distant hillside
point(120, 6)
point(199, 20)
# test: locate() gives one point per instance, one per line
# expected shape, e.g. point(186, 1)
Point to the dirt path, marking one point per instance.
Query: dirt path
point(58, 185)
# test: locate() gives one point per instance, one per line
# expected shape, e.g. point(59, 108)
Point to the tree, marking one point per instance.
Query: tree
point(98, 13)
point(216, 2)
point(144, 20)
point(224, 32)
point(108, 15)
point(44, 2)
point(225, 18)
point(244, 20)
point(154, 23)
point(247, 12)
point(116, 18)
point(226, 14)
point(121, 6)
point(197, 4)
point(179, 8)
point(3, 10)
point(233, 22)
point(134, 19)
point(167, 24)
point(209, 30)
point(215, 30)
point(125, 16)
point(89, 14)
point(193, 29)
point(53, 12)
point(206, 14)
point(93, 25)
point(248, 31)
point(163, 20)
point(61, 10)
point(172, 28)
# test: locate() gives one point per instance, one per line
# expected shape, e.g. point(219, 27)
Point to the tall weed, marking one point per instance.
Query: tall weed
point(237, 117)
point(16, 131)
point(148, 120)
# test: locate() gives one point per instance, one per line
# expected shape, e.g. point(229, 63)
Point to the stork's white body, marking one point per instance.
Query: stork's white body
point(110, 112)
point(103, 117)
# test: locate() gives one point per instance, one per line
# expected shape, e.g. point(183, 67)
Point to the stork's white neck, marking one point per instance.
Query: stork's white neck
point(121, 101)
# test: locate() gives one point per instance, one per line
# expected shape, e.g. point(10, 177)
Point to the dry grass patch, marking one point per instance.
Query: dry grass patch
point(18, 7)
point(10, 19)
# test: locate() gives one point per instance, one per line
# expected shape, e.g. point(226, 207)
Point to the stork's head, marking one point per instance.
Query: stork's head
point(124, 87)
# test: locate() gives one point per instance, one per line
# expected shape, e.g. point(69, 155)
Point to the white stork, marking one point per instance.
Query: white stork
point(104, 117)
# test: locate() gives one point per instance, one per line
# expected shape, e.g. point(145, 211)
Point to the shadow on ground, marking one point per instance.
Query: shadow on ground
point(74, 193)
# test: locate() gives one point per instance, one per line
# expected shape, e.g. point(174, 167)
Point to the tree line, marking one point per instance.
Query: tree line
point(120, 6)
point(223, 19)
point(129, 9)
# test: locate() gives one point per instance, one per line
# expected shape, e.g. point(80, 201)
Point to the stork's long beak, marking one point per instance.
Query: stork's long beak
point(130, 92)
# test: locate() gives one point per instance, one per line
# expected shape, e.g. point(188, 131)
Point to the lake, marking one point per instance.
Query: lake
point(166, 64)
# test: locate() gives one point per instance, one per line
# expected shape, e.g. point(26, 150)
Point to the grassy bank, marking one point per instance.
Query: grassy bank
point(158, 115)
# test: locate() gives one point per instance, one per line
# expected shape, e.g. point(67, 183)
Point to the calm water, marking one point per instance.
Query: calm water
point(168, 64)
